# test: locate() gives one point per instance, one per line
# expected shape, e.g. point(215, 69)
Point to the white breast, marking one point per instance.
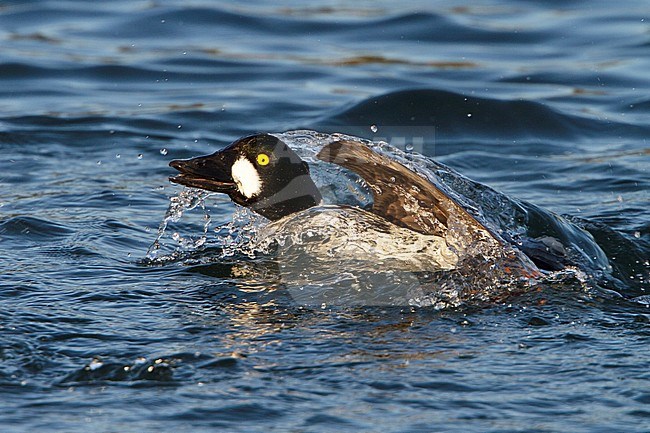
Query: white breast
point(246, 177)
point(337, 234)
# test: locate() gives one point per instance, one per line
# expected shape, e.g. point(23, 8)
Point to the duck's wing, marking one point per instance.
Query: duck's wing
point(400, 196)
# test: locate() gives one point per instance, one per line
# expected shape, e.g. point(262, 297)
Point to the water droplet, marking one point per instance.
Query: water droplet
point(164, 151)
point(140, 156)
point(373, 128)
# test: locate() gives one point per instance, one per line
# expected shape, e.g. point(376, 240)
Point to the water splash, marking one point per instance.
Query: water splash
point(187, 200)
point(235, 238)
point(238, 236)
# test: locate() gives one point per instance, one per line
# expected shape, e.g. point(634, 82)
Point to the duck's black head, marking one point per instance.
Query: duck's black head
point(260, 172)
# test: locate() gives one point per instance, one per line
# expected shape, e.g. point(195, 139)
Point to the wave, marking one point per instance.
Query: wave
point(451, 115)
point(33, 228)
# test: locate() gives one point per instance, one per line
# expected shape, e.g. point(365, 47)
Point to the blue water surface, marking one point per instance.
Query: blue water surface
point(545, 101)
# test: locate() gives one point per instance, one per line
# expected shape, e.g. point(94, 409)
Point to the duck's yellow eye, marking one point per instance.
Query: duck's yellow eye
point(263, 159)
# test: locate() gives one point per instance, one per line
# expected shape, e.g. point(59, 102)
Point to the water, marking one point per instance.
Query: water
point(546, 102)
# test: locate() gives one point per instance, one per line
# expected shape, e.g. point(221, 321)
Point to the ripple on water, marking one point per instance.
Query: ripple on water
point(33, 228)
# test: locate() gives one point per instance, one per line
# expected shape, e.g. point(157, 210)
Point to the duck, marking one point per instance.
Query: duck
point(410, 222)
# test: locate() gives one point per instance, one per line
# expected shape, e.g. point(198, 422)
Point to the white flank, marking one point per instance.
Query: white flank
point(246, 177)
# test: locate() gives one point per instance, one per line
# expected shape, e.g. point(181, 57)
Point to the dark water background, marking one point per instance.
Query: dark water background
point(545, 101)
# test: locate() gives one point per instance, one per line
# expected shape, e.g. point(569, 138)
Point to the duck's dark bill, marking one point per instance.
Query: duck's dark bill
point(207, 184)
point(193, 175)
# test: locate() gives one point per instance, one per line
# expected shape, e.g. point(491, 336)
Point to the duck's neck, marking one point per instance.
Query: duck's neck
point(299, 195)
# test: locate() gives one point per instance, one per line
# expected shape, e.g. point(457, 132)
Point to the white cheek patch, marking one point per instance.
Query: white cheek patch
point(246, 177)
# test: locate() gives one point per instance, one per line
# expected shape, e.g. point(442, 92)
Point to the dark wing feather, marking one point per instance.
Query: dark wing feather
point(400, 196)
